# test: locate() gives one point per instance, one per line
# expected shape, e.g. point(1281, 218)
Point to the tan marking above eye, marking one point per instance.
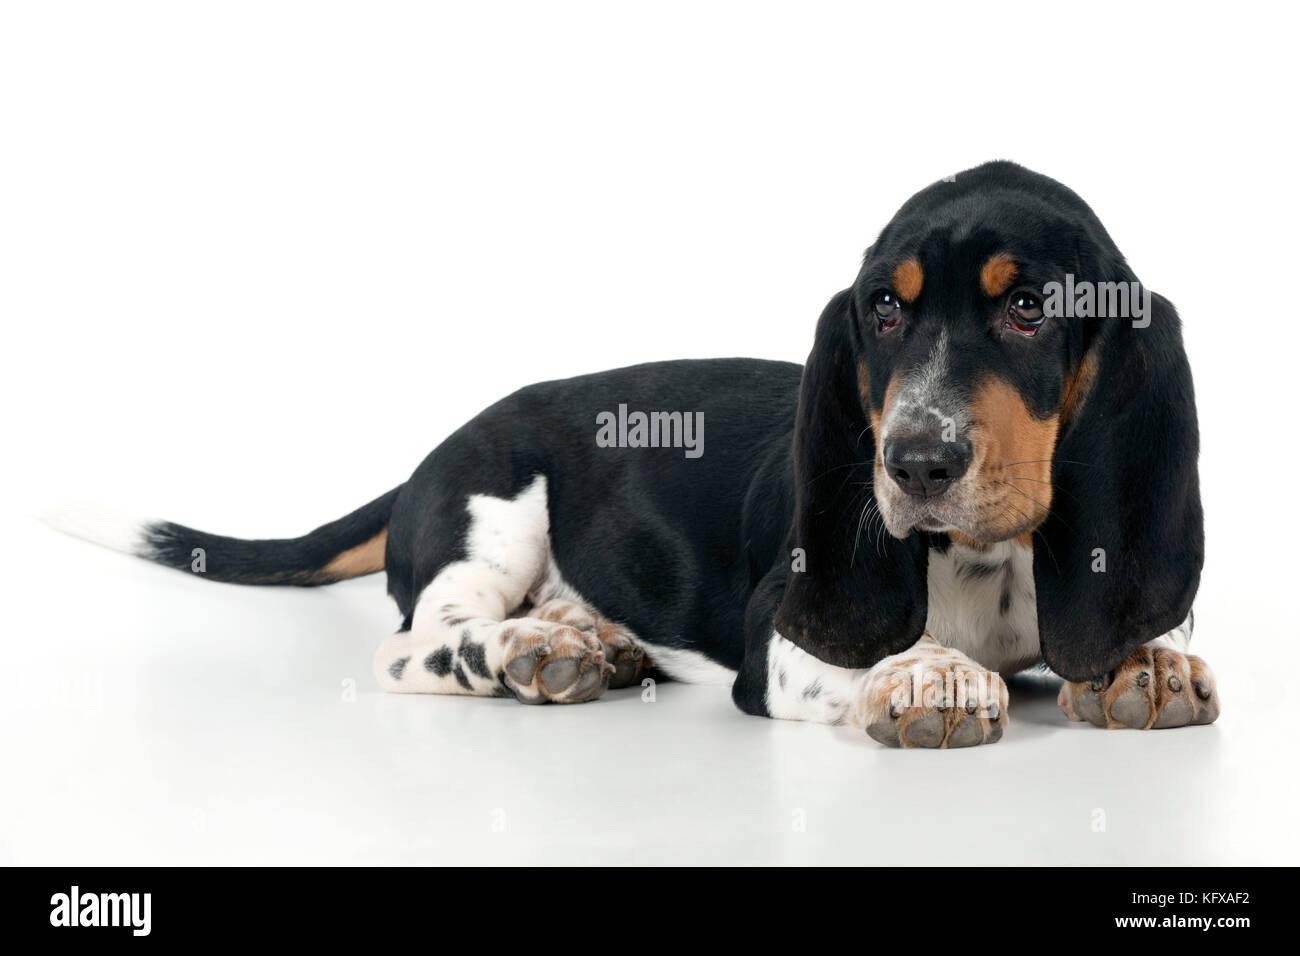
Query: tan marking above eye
point(998, 275)
point(908, 278)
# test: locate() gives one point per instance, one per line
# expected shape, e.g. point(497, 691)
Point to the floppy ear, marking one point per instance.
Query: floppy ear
point(1119, 559)
point(862, 594)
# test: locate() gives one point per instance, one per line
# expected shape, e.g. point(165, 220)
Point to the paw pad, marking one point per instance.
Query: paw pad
point(931, 697)
point(548, 661)
point(1146, 692)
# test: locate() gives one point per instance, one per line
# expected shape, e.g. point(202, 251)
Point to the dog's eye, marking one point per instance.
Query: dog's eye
point(888, 311)
point(1025, 313)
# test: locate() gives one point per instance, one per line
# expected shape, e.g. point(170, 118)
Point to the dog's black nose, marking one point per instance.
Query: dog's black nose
point(925, 466)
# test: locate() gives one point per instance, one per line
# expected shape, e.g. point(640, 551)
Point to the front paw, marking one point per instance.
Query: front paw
point(1153, 688)
point(931, 696)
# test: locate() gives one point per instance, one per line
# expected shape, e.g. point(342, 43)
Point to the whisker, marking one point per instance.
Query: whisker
point(1026, 494)
point(1039, 461)
point(842, 484)
point(1049, 550)
point(1040, 534)
point(851, 464)
point(1022, 514)
point(1040, 481)
point(878, 526)
point(1050, 512)
point(858, 536)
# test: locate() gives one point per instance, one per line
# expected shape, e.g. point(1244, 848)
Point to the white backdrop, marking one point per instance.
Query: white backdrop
point(256, 259)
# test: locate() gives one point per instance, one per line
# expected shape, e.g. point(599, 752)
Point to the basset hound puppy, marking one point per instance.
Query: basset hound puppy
point(988, 463)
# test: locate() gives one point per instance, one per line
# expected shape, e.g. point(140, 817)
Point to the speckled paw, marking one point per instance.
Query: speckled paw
point(548, 661)
point(1152, 689)
point(934, 697)
point(621, 650)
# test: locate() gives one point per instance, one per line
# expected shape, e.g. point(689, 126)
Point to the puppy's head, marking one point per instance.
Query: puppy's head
point(964, 375)
point(997, 372)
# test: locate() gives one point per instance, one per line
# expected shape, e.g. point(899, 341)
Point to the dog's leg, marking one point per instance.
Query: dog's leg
point(455, 643)
point(559, 651)
point(1159, 685)
point(931, 696)
point(475, 631)
point(463, 642)
point(927, 696)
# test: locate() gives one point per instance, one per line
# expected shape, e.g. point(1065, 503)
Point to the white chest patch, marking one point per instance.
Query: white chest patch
point(983, 604)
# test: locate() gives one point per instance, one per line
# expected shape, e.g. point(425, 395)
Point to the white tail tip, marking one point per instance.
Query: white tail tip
point(105, 526)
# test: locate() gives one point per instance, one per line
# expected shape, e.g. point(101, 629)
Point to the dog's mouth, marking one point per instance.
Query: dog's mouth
point(933, 525)
point(904, 514)
point(979, 517)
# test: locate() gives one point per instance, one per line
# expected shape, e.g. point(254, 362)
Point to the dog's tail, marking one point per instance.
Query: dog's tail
point(346, 548)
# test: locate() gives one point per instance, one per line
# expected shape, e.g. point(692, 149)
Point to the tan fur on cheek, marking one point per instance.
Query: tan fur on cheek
point(1025, 540)
point(966, 541)
point(864, 390)
point(885, 489)
point(1013, 455)
point(1078, 387)
point(878, 418)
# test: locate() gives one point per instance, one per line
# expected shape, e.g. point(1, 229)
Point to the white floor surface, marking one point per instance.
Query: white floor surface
point(161, 719)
